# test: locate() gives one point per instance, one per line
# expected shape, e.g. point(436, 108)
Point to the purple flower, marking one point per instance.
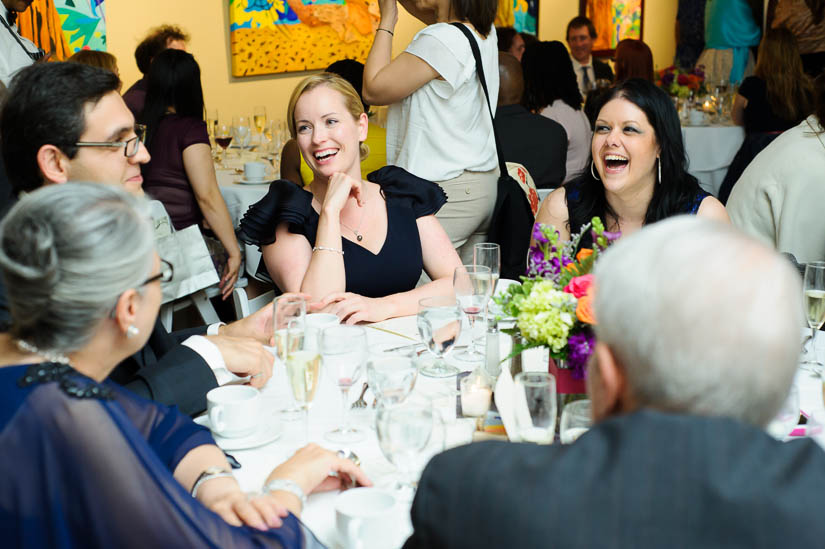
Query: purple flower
point(580, 347)
point(538, 236)
point(667, 79)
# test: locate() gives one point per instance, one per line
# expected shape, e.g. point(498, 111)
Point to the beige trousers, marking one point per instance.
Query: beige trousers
point(471, 198)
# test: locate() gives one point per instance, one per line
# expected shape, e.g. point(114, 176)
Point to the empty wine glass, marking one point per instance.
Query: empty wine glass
point(473, 285)
point(241, 131)
point(813, 290)
point(439, 325)
point(535, 406)
point(344, 350)
point(288, 322)
point(576, 419)
point(404, 429)
point(223, 137)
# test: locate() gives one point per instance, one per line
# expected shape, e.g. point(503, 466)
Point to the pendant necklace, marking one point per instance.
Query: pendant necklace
point(358, 236)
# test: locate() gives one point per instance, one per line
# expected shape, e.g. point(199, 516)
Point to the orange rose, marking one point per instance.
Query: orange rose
point(584, 308)
point(583, 254)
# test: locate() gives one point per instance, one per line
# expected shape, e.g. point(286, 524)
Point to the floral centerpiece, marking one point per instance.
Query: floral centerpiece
point(552, 306)
point(680, 82)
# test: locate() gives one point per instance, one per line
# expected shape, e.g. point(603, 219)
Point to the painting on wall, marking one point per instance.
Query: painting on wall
point(522, 15)
point(614, 20)
point(63, 27)
point(278, 36)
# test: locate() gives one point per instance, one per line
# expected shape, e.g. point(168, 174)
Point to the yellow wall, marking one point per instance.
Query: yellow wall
point(207, 23)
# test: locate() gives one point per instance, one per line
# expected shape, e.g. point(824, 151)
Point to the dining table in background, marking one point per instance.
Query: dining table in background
point(710, 150)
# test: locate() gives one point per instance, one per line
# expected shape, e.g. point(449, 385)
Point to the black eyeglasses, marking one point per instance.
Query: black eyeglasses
point(165, 275)
point(130, 146)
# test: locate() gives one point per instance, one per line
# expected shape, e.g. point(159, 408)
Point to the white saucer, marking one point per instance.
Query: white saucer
point(264, 434)
point(264, 181)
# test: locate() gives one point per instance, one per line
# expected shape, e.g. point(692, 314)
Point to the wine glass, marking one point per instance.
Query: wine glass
point(488, 254)
point(303, 369)
point(404, 430)
point(241, 130)
point(439, 325)
point(223, 137)
point(288, 322)
point(813, 290)
point(344, 351)
point(473, 285)
point(259, 117)
point(576, 419)
point(535, 406)
point(391, 375)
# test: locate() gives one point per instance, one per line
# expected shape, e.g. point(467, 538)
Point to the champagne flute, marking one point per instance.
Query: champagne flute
point(813, 290)
point(535, 406)
point(303, 369)
point(344, 351)
point(488, 254)
point(289, 324)
point(259, 117)
point(404, 430)
point(223, 137)
point(240, 128)
point(439, 325)
point(473, 285)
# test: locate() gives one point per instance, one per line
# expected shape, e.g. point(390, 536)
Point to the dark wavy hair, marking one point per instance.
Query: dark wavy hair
point(549, 75)
point(677, 191)
point(174, 81)
point(155, 42)
point(481, 13)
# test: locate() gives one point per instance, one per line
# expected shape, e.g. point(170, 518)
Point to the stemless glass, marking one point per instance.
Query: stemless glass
point(535, 407)
point(344, 351)
point(404, 429)
point(223, 137)
point(439, 325)
point(576, 419)
point(813, 292)
point(391, 375)
point(288, 323)
point(241, 131)
point(473, 285)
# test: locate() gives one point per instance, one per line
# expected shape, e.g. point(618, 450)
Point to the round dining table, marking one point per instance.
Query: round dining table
point(710, 150)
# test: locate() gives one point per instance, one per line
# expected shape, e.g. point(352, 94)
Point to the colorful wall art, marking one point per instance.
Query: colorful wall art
point(614, 20)
point(523, 15)
point(63, 27)
point(277, 36)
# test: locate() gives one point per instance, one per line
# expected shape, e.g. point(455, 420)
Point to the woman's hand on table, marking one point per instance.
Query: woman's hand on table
point(224, 497)
point(311, 468)
point(230, 275)
point(353, 308)
point(339, 189)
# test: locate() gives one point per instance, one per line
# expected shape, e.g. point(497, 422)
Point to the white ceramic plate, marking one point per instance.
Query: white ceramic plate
point(264, 181)
point(265, 433)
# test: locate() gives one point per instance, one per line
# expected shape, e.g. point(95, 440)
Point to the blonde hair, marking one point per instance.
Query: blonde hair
point(94, 58)
point(352, 101)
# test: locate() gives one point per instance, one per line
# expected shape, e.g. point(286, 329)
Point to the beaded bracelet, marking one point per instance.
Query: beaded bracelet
point(286, 485)
point(326, 249)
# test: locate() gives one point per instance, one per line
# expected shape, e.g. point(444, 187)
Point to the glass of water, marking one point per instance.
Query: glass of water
point(535, 407)
point(391, 375)
point(344, 351)
point(576, 419)
point(404, 430)
point(439, 325)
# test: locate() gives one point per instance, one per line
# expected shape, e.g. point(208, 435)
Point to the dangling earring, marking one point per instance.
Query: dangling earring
point(132, 331)
point(593, 173)
point(659, 163)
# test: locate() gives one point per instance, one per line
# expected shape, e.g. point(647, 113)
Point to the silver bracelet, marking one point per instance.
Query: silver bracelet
point(286, 485)
point(209, 474)
point(326, 249)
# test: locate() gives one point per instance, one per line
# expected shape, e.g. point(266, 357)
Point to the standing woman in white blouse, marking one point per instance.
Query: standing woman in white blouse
point(438, 126)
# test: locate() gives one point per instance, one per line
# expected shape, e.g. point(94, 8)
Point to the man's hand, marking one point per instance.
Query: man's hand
point(258, 325)
point(245, 356)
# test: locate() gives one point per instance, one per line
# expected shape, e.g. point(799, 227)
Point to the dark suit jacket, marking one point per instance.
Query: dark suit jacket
point(535, 141)
point(646, 480)
point(602, 70)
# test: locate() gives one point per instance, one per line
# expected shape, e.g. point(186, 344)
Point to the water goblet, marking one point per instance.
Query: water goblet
point(288, 322)
point(576, 419)
point(404, 430)
point(391, 375)
point(813, 292)
point(473, 285)
point(241, 131)
point(344, 351)
point(535, 406)
point(439, 325)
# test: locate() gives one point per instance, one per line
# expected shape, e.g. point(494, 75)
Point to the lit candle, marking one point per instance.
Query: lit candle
point(475, 400)
point(707, 106)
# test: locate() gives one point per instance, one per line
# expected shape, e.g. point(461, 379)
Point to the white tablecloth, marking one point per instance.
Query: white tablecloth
point(710, 150)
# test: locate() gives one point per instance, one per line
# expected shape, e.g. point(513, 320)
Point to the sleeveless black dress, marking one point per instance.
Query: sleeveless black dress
point(397, 266)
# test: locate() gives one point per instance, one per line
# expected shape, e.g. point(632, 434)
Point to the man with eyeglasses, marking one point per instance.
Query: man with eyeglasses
point(67, 122)
point(16, 52)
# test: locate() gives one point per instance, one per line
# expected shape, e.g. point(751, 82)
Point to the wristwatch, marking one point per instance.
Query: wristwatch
point(209, 474)
point(286, 485)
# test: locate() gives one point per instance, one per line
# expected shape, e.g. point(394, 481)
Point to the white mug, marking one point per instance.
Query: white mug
point(315, 322)
point(233, 410)
point(364, 518)
point(697, 117)
point(254, 171)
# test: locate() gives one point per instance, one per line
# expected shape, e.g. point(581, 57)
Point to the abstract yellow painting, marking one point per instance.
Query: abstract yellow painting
point(278, 36)
point(614, 20)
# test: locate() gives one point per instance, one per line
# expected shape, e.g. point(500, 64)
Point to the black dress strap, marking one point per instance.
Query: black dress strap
point(284, 202)
point(421, 196)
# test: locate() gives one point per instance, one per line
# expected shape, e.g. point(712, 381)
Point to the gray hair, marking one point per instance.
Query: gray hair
point(67, 252)
point(703, 319)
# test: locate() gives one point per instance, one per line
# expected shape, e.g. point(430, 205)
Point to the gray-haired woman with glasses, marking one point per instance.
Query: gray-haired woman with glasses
point(85, 462)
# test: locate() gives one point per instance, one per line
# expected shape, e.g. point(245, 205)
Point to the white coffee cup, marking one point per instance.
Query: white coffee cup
point(315, 322)
point(364, 518)
point(233, 410)
point(254, 171)
point(697, 117)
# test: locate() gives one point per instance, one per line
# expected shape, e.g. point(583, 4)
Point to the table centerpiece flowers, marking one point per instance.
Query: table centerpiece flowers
point(552, 306)
point(680, 82)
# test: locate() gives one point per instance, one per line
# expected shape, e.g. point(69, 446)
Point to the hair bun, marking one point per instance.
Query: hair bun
point(28, 253)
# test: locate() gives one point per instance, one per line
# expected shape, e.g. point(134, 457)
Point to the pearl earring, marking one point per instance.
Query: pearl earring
point(132, 331)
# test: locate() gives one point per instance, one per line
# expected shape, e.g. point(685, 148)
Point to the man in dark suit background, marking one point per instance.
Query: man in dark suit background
point(535, 141)
point(580, 36)
point(66, 121)
point(698, 342)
